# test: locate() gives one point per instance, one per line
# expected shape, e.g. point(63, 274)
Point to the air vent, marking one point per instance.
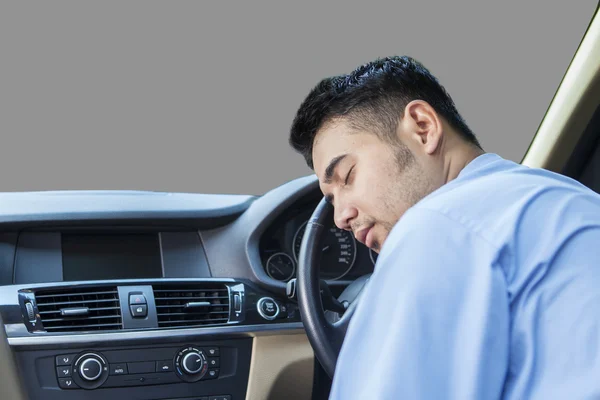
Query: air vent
point(180, 305)
point(79, 309)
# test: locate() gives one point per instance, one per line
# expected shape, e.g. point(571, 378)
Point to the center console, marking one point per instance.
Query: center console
point(133, 315)
point(214, 369)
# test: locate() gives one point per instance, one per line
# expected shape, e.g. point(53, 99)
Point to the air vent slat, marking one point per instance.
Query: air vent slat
point(69, 328)
point(63, 303)
point(188, 322)
point(182, 313)
point(91, 309)
point(194, 298)
point(102, 307)
point(113, 292)
point(73, 319)
point(181, 304)
point(190, 290)
point(171, 300)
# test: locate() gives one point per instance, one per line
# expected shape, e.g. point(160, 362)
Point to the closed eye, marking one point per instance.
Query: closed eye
point(348, 176)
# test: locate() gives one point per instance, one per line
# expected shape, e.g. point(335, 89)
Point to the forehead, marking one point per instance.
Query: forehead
point(336, 139)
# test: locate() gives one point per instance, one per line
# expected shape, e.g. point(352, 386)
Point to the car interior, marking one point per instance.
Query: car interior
point(149, 295)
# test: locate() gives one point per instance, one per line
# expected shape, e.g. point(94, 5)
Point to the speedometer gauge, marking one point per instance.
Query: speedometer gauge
point(338, 251)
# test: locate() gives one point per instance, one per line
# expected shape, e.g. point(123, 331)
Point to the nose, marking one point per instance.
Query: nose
point(344, 213)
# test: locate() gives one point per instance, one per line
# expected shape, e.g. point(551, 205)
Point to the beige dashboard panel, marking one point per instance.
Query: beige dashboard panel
point(10, 384)
point(281, 368)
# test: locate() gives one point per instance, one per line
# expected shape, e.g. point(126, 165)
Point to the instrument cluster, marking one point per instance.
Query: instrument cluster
point(343, 258)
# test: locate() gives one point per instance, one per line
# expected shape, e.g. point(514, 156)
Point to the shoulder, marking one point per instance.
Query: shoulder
point(428, 251)
point(429, 228)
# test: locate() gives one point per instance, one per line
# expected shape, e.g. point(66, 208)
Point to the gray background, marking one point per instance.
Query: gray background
point(199, 96)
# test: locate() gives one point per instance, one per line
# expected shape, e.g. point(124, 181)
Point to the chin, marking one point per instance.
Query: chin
point(380, 242)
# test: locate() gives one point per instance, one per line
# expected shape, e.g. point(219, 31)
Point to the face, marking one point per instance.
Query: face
point(371, 182)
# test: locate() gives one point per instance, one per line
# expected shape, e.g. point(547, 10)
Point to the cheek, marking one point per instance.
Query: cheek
point(373, 195)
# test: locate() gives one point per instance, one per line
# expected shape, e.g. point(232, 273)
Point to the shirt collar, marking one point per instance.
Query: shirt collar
point(479, 162)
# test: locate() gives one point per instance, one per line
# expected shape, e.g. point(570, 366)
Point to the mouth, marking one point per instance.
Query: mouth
point(364, 236)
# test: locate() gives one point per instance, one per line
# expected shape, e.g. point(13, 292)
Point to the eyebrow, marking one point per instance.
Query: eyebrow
point(331, 167)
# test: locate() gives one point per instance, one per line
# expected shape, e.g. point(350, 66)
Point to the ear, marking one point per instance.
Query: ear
point(423, 125)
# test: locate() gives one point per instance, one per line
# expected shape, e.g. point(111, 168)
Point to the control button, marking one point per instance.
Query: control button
point(213, 351)
point(212, 374)
point(267, 308)
point(140, 311)
point(221, 397)
point(118, 369)
point(284, 311)
point(66, 383)
point(193, 363)
point(64, 359)
point(141, 367)
point(213, 362)
point(135, 299)
point(90, 369)
point(164, 366)
point(237, 302)
point(64, 371)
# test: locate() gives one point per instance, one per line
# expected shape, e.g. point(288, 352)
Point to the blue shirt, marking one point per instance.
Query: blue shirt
point(488, 288)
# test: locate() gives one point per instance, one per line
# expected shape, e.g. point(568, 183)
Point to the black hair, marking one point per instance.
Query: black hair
point(373, 96)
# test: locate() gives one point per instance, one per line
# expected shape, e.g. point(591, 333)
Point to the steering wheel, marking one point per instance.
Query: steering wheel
point(325, 334)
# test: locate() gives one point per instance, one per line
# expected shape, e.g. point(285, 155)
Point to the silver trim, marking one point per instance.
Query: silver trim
point(88, 339)
point(259, 304)
point(82, 373)
point(186, 369)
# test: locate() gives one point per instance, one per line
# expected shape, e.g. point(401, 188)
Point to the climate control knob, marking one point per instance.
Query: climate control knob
point(193, 362)
point(90, 369)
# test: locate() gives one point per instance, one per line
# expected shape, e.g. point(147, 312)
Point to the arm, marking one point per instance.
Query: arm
point(434, 321)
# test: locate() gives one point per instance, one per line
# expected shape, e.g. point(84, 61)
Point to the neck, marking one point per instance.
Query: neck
point(460, 158)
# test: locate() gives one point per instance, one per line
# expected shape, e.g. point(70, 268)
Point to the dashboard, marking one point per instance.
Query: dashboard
point(141, 295)
point(343, 258)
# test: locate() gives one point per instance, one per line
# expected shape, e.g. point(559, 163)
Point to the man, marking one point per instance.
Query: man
point(487, 284)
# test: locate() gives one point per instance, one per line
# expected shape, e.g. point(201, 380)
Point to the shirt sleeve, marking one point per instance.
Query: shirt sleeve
point(434, 319)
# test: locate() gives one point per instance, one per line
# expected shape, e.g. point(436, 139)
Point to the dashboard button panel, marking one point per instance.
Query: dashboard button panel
point(91, 369)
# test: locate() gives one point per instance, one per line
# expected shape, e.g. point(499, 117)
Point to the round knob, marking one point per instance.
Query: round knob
point(90, 369)
point(193, 363)
point(190, 364)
